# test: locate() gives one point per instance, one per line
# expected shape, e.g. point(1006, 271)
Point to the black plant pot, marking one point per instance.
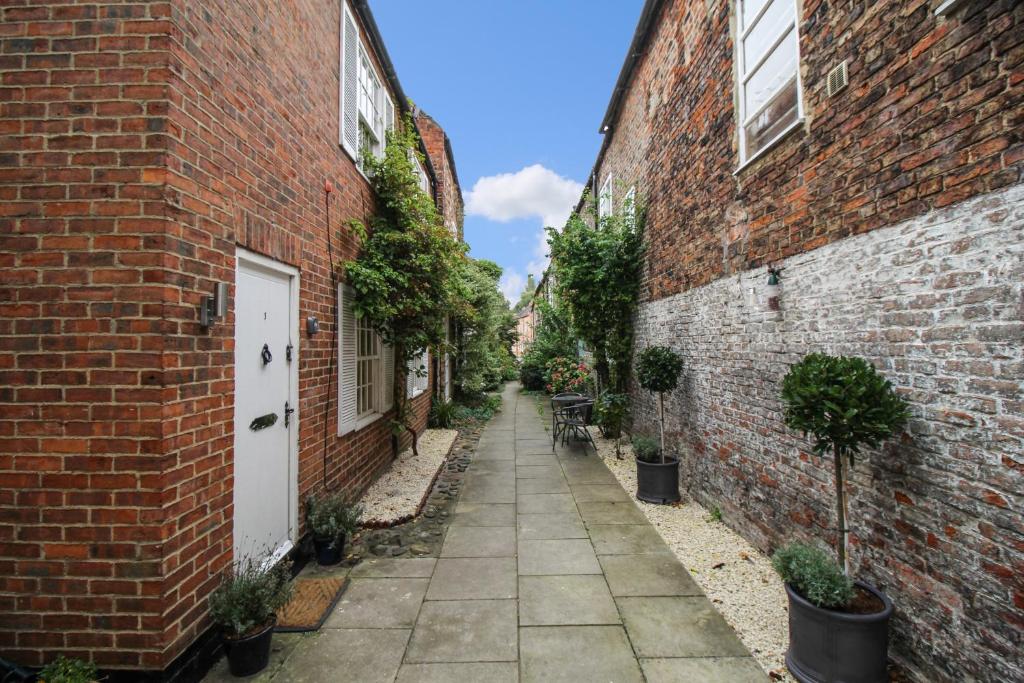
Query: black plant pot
point(249, 655)
point(328, 551)
point(834, 647)
point(657, 482)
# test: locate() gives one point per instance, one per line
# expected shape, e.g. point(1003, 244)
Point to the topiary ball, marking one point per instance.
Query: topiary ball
point(658, 369)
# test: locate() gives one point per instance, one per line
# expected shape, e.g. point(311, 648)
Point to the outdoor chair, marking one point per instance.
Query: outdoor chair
point(558, 402)
point(573, 420)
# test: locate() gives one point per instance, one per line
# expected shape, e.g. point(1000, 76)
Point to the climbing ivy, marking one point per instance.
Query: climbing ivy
point(406, 275)
point(597, 276)
point(485, 330)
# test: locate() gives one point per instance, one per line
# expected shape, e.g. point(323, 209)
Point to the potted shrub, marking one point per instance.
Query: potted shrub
point(838, 629)
point(245, 606)
point(331, 518)
point(657, 481)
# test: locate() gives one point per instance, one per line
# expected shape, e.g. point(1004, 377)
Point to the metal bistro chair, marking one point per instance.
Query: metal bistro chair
point(574, 419)
point(558, 403)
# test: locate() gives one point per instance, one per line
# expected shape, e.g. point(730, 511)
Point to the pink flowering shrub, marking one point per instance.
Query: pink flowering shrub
point(565, 375)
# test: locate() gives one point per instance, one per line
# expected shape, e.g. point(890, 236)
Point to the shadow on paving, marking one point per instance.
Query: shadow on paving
point(547, 572)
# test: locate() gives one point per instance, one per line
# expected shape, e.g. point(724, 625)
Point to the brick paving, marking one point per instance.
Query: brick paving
point(547, 573)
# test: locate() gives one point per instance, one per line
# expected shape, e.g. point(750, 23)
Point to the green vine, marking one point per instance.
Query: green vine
point(597, 276)
point(406, 275)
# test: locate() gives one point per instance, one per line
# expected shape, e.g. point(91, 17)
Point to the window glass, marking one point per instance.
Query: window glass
point(367, 367)
point(776, 20)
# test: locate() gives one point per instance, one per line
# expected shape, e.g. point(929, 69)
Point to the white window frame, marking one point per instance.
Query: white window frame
point(604, 198)
point(744, 74)
point(414, 384)
point(373, 104)
point(369, 370)
point(629, 204)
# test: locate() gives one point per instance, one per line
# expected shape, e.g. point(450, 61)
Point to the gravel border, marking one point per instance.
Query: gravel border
point(401, 492)
point(737, 577)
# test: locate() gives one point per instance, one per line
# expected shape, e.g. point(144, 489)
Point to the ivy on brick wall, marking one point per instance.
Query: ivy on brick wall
point(406, 275)
point(597, 276)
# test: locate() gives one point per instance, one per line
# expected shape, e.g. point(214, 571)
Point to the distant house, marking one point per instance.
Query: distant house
point(872, 152)
point(179, 363)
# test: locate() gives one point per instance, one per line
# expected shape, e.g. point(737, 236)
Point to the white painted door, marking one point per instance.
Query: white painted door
point(265, 386)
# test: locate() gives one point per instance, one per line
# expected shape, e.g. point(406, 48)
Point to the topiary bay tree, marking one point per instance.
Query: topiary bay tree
point(845, 405)
point(657, 370)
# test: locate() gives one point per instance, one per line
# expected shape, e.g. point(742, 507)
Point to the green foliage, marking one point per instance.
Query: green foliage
point(65, 670)
point(482, 409)
point(553, 338)
point(485, 330)
point(565, 375)
point(611, 412)
point(442, 414)
point(406, 276)
point(597, 276)
point(814, 575)
point(249, 596)
point(842, 402)
point(646, 448)
point(716, 514)
point(658, 369)
point(332, 516)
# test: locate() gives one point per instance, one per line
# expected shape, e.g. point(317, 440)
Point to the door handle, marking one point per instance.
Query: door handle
point(287, 414)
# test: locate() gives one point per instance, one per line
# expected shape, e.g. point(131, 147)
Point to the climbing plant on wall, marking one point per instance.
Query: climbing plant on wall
point(597, 268)
point(485, 330)
point(406, 275)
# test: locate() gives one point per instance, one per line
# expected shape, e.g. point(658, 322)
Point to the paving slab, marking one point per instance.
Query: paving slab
point(370, 655)
point(465, 631)
point(703, 669)
point(492, 492)
point(545, 503)
point(492, 467)
point(653, 575)
point(565, 600)
point(538, 471)
point(390, 567)
point(479, 541)
point(550, 527)
point(542, 485)
point(548, 460)
point(678, 627)
point(569, 556)
point(611, 513)
point(599, 493)
point(576, 653)
point(473, 578)
point(626, 539)
point(484, 514)
point(378, 603)
point(466, 672)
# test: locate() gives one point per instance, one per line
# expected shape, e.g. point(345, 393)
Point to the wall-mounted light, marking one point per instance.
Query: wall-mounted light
point(773, 290)
point(212, 308)
point(312, 325)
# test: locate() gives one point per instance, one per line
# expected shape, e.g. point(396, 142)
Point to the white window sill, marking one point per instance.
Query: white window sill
point(771, 145)
point(416, 392)
point(367, 420)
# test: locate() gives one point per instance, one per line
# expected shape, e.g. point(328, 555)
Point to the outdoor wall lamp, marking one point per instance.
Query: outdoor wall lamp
point(773, 290)
point(214, 307)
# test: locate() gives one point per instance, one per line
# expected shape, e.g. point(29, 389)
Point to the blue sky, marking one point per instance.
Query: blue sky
point(517, 84)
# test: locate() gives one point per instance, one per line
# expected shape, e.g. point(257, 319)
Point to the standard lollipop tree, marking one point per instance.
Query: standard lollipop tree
point(657, 472)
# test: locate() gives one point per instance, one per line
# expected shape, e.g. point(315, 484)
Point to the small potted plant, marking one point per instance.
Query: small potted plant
point(65, 670)
point(245, 606)
point(658, 370)
point(838, 629)
point(611, 414)
point(331, 519)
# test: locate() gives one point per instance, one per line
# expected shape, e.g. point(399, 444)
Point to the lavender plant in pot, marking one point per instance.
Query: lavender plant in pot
point(657, 479)
point(331, 519)
point(245, 606)
point(838, 627)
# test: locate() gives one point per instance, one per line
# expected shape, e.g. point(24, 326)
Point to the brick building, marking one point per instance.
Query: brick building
point(873, 152)
point(153, 151)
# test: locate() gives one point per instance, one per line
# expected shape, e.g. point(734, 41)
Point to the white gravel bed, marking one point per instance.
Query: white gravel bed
point(736, 576)
point(396, 496)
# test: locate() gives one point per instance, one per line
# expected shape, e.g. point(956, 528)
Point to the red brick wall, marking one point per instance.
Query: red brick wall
point(930, 121)
point(449, 196)
point(215, 126)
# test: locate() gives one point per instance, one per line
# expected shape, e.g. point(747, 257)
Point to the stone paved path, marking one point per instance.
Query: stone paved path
point(548, 572)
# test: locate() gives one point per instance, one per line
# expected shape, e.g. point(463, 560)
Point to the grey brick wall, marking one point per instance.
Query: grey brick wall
point(937, 304)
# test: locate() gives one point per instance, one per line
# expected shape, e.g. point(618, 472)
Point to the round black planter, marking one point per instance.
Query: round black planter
point(328, 552)
point(249, 655)
point(657, 482)
point(833, 647)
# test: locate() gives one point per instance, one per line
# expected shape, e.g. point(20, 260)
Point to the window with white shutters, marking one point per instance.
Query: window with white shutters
point(629, 205)
point(417, 376)
point(365, 369)
point(367, 111)
point(768, 71)
point(604, 199)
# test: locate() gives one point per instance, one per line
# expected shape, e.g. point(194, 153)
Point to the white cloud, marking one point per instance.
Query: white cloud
point(532, 191)
point(511, 285)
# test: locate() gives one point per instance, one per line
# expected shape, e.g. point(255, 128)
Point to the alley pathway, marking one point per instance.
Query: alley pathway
point(548, 572)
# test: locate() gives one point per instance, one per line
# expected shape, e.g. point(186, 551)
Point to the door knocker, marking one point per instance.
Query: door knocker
point(265, 354)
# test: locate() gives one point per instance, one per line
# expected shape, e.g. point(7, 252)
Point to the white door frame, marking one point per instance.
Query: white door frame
point(257, 262)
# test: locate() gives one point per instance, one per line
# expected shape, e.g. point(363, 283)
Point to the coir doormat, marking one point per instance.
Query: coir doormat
point(311, 603)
